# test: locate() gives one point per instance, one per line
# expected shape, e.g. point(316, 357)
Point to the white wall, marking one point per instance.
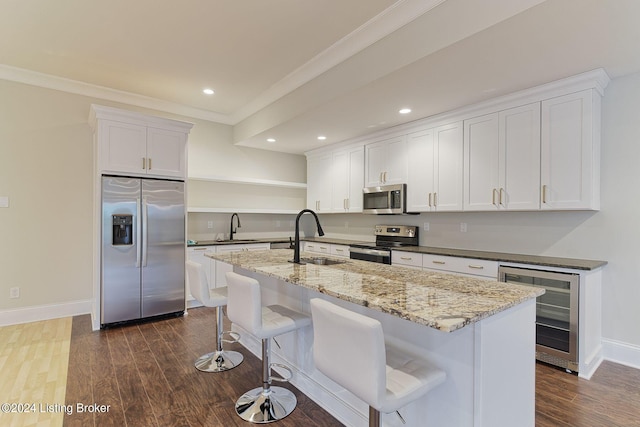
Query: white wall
point(46, 170)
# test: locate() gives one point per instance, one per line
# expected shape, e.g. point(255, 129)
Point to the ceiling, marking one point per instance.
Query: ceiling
point(295, 69)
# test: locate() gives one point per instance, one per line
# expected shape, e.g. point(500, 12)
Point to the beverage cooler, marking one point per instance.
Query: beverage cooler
point(556, 313)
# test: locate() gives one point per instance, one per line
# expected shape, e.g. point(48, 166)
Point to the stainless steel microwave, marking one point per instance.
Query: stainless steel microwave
point(386, 199)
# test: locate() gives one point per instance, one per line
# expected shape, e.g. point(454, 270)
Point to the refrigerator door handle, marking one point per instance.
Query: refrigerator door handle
point(145, 232)
point(138, 232)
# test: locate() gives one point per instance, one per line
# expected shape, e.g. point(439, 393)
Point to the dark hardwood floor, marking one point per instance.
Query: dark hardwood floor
point(145, 374)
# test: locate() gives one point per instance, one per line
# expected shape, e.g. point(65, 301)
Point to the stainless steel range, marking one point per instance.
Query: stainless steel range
point(387, 237)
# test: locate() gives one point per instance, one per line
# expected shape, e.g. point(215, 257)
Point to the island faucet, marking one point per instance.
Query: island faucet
point(232, 230)
point(296, 249)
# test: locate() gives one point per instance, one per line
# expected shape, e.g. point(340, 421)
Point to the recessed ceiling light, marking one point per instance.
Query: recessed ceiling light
point(208, 91)
point(271, 140)
point(405, 111)
point(322, 137)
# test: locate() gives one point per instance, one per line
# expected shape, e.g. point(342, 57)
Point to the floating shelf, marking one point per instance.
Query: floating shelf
point(244, 210)
point(250, 181)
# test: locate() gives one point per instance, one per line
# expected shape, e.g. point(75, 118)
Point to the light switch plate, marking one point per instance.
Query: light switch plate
point(4, 201)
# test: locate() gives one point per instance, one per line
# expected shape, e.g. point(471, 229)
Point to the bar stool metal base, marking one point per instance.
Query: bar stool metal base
point(219, 361)
point(262, 406)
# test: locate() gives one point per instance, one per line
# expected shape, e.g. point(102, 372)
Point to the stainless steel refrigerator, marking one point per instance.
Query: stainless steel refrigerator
point(143, 249)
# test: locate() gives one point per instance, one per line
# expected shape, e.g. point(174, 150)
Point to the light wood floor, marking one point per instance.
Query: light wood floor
point(145, 373)
point(34, 358)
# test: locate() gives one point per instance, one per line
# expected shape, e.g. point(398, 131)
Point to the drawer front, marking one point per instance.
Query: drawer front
point(319, 248)
point(340, 250)
point(410, 259)
point(470, 266)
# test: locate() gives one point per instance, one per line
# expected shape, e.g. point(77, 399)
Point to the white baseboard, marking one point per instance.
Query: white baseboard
point(621, 352)
point(44, 312)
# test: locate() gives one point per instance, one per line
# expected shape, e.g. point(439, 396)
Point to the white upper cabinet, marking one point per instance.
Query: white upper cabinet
point(319, 182)
point(386, 162)
point(137, 144)
point(348, 180)
point(502, 160)
point(570, 162)
point(166, 151)
point(435, 169)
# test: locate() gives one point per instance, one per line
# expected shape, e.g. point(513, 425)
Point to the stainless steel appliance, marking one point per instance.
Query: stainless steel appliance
point(556, 313)
point(386, 199)
point(387, 237)
point(143, 249)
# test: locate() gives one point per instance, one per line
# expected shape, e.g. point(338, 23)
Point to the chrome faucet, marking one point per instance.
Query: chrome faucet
point(232, 230)
point(296, 249)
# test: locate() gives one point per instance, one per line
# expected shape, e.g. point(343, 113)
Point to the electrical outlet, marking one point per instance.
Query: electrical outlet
point(14, 292)
point(426, 226)
point(463, 227)
point(209, 224)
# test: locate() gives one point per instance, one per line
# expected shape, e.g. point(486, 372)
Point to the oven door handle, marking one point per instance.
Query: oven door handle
point(365, 251)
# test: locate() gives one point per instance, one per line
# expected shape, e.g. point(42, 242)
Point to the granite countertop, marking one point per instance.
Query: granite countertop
point(572, 263)
point(438, 300)
point(548, 261)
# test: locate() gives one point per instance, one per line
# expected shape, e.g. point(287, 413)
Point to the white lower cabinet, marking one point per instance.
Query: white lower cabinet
point(340, 250)
point(407, 259)
point(479, 268)
point(318, 248)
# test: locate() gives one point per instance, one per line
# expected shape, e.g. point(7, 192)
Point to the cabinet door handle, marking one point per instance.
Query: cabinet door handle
point(406, 258)
point(500, 196)
point(385, 177)
point(144, 163)
point(200, 249)
point(429, 199)
point(149, 164)
point(477, 267)
point(348, 204)
point(381, 177)
point(493, 197)
point(435, 199)
point(439, 262)
point(544, 193)
point(339, 250)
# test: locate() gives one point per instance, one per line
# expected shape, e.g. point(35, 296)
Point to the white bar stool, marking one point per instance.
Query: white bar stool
point(263, 404)
point(219, 360)
point(349, 348)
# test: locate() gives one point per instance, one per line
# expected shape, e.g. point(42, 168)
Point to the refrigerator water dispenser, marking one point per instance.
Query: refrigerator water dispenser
point(122, 230)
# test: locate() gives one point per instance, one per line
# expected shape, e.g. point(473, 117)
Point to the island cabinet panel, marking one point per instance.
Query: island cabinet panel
point(570, 162)
point(502, 160)
point(435, 163)
point(487, 362)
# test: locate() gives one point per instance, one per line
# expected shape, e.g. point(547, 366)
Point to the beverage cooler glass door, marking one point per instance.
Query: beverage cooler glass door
point(556, 312)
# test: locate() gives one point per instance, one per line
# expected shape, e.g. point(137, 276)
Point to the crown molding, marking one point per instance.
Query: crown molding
point(383, 24)
point(48, 81)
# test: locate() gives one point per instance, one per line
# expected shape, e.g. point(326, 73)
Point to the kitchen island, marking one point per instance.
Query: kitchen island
point(482, 333)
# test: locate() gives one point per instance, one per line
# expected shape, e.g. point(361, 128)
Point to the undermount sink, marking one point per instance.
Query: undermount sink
point(321, 261)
